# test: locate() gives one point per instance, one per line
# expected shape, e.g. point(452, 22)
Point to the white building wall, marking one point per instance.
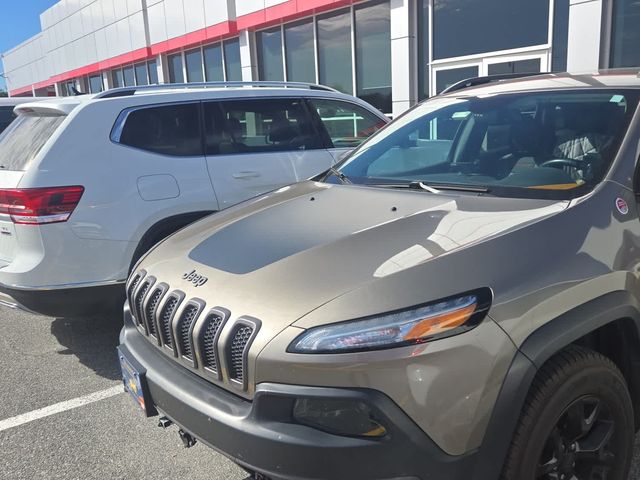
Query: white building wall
point(26, 64)
point(585, 24)
point(404, 75)
point(245, 7)
point(80, 33)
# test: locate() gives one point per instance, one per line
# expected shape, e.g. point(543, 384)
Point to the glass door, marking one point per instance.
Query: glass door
point(446, 74)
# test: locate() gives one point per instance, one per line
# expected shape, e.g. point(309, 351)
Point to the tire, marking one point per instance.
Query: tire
point(576, 390)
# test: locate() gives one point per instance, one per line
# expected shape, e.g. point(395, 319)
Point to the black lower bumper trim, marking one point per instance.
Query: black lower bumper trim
point(262, 436)
point(67, 302)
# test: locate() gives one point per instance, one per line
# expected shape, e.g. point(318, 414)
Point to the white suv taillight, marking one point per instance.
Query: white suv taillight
point(38, 206)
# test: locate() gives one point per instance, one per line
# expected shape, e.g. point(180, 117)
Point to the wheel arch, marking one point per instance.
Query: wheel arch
point(609, 324)
point(162, 229)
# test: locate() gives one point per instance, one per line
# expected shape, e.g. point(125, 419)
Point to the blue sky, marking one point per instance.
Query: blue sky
point(19, 21)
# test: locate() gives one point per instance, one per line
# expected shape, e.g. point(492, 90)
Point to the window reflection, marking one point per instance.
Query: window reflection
point(269, 45)
point(232, 59)
point(466, 27)
point(193, 60)
point(626, 34)
point(301, 66)
point(334, 51)
point(175, 68)
point(373, 54)
point(213, 63)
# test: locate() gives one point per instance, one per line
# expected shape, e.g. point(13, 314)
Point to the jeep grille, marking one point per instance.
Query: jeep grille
point(190, 332)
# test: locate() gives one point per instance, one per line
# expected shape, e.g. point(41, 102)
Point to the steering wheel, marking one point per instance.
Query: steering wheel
point(562, 162)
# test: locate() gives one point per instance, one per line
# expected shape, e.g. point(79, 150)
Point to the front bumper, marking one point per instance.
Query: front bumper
point(262, 437)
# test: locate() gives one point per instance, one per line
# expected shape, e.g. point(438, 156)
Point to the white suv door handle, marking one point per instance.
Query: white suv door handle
point(246, 175)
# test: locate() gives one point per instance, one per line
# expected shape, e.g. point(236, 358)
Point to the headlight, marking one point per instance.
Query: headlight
point(408, 327)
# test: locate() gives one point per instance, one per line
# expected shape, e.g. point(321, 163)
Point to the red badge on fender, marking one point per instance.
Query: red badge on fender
point(622, 206)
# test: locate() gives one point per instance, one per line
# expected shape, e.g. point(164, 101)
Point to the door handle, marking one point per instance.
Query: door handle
point(246, 175)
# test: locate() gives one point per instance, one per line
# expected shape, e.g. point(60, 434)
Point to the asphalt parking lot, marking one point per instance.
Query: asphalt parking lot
point(46, 361)
point(64, 363)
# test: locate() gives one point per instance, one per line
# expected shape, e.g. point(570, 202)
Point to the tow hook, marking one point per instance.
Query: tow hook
point(187, 439)
point(164, 422)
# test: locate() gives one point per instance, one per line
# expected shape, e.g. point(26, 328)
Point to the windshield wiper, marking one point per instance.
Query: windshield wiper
point(436, 187)
point(432, 187)
point(340, 176)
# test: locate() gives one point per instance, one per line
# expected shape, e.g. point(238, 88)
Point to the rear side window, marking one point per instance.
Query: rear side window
point(348, 125)
point(6, 117)
point(168, 130)
point(24, 138)
point(258, 126)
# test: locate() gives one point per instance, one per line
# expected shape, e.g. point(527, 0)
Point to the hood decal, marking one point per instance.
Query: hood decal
point(412, 227)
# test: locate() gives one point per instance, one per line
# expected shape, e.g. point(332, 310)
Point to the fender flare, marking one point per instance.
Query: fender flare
point(539, 347)
point(162, 229)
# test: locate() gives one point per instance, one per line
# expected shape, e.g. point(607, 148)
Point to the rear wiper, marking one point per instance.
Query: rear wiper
point(341, 176)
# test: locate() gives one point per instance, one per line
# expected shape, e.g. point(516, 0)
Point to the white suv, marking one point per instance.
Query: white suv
point(90, 183)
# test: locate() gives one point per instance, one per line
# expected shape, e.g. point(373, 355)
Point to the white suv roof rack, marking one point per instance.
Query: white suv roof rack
point(127, 91)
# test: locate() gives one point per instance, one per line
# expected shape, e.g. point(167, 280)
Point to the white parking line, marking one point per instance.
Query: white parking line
point(59, 407)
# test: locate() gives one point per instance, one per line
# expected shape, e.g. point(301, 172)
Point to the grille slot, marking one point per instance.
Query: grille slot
point(139, 301)
point(184, 328)
point(212, 327)
point(166, 316)
point(150, 311)
point(237, 349)
point(132, 288)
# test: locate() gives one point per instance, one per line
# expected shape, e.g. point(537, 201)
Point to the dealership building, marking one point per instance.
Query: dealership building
point(391, 53)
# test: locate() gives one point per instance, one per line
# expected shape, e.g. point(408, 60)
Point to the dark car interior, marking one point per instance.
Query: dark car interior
point(551, 141)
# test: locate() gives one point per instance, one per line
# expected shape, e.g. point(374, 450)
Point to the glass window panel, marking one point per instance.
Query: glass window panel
point(423, 49)
point(625, 34)
point(95, 83)
point(334, 51)
point(193, 59)
point(232, 60)
point(153, 72)
point(213, 63)
point(466, 27)
point(250, 126)
point(520, 66)
point(446, 78)
point(560, 35)
point(141, 74)
point(174, 62)
point(118, 79)
point(301, 62)
point(129, 76)
point(269, 46)
point(169, 130)
point(348, 125)
point(6, 117)
point(373, 54)
point(23, 139)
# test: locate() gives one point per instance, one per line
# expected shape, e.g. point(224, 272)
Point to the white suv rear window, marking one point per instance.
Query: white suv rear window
point(24, 138)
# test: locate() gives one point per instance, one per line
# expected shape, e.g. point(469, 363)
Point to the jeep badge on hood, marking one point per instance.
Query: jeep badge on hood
point(193, 277)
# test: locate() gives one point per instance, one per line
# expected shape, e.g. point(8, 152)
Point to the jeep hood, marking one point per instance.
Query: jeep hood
point(282, 255)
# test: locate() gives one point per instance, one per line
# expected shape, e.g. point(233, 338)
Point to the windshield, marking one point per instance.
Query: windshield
point(549, 144)
point(23, 139)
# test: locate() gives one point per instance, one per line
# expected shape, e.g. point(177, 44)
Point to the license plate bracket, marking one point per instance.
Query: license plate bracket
point(135, 382)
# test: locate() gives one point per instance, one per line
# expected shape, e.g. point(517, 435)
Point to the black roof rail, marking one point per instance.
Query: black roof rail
point(127, 91)
point(476, 81)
